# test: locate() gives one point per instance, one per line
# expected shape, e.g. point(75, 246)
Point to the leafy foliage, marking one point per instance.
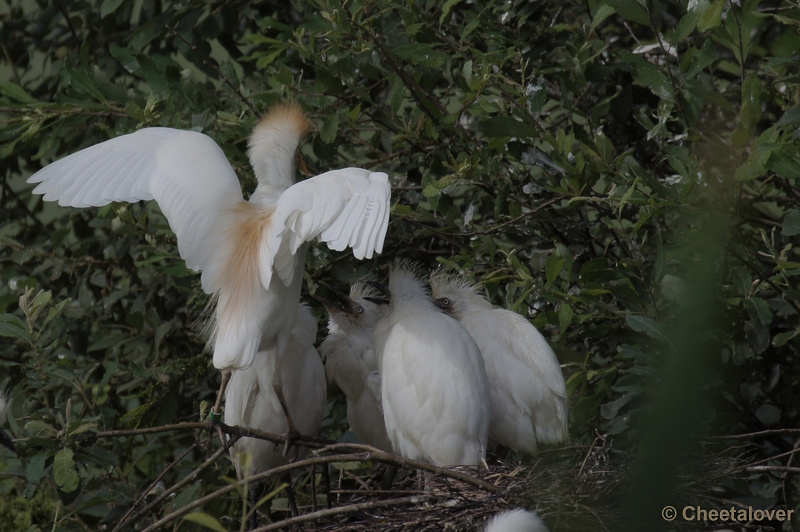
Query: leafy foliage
point(588, 162)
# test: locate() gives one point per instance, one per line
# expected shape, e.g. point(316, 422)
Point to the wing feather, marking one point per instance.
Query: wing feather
point(342, 208)
point(184, 171)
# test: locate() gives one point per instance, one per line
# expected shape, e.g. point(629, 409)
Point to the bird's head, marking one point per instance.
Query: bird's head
point(274, 142)
point(453, 294)
point(361, 309)
point(405, 284)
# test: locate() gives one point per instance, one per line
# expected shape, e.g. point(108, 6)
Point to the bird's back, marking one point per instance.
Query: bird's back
point(516, 521)
point(529, 400)
point(434, 389)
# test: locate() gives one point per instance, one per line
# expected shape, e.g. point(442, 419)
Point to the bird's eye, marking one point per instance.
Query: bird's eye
point(359, 310)
point(445, 301)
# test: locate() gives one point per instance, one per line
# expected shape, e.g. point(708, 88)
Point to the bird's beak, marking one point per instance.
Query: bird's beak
point(381, 287)
point(301, 164)
point(343, 305)
point(7, 442)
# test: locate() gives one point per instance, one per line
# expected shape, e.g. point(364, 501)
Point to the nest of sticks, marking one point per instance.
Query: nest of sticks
point(575, 488)
point(560, 485)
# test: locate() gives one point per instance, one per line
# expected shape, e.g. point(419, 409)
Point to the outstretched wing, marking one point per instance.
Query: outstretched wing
point(344, 208)
point(184, 171)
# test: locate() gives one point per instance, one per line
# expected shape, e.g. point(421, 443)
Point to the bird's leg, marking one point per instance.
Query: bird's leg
point(216, 411)
point(254, 493)
point(290, 494)
point(388, 477)
point(425, 481)
point(291, 430)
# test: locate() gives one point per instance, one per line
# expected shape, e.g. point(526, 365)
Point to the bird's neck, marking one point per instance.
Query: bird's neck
point(266, 194)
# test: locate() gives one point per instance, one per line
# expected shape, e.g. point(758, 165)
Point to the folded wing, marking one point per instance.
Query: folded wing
point(184, 171)
point(343, 208)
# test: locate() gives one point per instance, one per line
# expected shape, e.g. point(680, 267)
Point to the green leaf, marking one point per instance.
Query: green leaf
point(631, 10)
point(421, 54)
point(109, 6)
point(329, 128)
point(14, 91)
point(65, 472)
point(34, 472)
point(648, 75)
point(711, 17)
point(751, 102)
point(446, 8)
point(205, 520)
point(646, 325)
point(759, 310)
point(685, 27)
point(12, 326)
point(81, 80)
point(781, 339)
point(791, 223)
point(768, 414)
point(504, 126)
point(552, 268)
point(790, 117)
point(602, 13)
point(565, 314)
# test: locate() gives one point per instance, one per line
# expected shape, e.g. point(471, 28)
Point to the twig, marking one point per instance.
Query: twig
point(187, 480)
point(14, 72)
point(350, 508)
point(786, 487)
point(233, 430)
point(368, 454)
point(79, 111)
point(64, 12)
point(767, 280)
point(276, 471)
point(417, 91)
point(387, 458)
point(208, 63)
point(155, 483)
point(773, 468)
point(448, 236)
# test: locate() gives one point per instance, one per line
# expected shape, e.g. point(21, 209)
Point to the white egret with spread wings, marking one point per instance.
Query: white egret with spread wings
point(251, 253)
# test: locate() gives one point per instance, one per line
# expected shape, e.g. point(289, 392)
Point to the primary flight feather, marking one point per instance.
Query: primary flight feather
point(251, 253)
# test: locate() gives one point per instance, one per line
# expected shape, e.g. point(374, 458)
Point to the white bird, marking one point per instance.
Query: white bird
point(434, 389)
point(5, 440)
point(251, 400)
point(350, 359)
point(516, 521)
point(528, 394)
point(251, 252)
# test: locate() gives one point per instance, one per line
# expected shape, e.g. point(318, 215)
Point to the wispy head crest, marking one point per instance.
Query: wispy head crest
point(361, 290)
point(447, 279)
point(405, 279)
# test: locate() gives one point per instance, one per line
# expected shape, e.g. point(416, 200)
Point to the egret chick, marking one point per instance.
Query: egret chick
point(528, 395)
point(433, 383)
point(5, 440)
point(251, 400)
point(516, 521)
point(350, 359)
